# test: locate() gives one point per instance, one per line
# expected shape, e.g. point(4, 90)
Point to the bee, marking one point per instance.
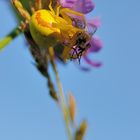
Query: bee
point(82, 43)
point(79, 44)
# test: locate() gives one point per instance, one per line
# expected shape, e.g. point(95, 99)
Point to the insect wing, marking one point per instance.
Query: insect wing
point(91, 29)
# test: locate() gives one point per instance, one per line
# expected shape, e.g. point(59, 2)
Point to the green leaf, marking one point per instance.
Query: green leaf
point(5, 41)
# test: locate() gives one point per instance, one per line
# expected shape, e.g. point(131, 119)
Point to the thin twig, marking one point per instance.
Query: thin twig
point(62, 101)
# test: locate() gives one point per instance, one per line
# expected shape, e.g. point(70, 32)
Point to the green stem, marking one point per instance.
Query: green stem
point(62, 101)
point(5, 41)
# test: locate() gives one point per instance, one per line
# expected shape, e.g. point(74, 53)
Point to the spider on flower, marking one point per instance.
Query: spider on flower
point(55, 28)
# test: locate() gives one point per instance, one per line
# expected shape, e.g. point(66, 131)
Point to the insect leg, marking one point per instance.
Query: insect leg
point(24, 13)
point(50, 7)
point(72, 55)
point(58, 10)
point(65, 11)
point(65, 16)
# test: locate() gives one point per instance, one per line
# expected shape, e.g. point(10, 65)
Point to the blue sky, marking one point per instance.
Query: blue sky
point(107, 97)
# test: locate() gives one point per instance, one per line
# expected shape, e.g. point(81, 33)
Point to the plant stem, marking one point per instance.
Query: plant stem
point(62, 101)
point(5, 41)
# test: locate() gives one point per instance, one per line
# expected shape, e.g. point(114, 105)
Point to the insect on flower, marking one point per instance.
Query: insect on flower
point(80, 46)
point(56, 28)
point(83, 39)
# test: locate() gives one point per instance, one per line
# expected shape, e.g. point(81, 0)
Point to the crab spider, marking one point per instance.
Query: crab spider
point(50, 27)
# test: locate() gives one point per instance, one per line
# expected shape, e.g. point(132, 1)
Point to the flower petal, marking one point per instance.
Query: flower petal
point(96, 45)
point(83, 6)
point(86, 69)
point(92, 63)
point(67, 3)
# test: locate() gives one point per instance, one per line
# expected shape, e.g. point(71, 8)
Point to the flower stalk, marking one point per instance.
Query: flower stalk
point(62, 102)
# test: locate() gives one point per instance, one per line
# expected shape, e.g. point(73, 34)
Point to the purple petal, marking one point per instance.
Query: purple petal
point(67, 3)
point(83, 6)
point(86, 69)
point(92, 63)
point(96, 45)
